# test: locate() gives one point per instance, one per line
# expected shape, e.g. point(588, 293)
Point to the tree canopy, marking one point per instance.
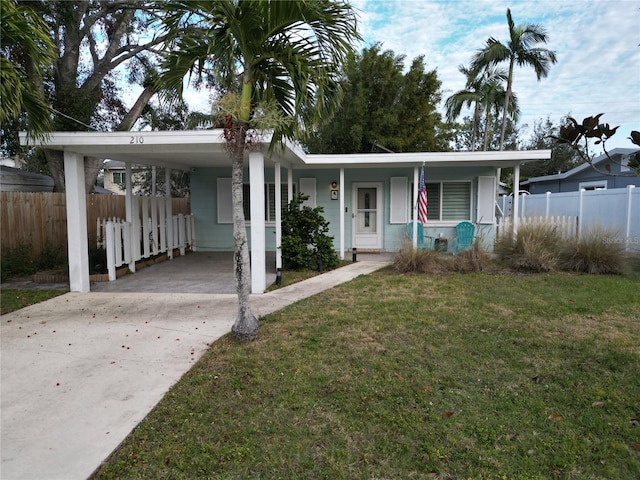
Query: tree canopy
point(383, 107)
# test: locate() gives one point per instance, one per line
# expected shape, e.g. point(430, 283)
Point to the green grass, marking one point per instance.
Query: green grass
point(391, 376)
point(11, 300)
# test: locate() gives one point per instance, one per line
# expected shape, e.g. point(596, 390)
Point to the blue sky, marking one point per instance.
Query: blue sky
point(597, 43)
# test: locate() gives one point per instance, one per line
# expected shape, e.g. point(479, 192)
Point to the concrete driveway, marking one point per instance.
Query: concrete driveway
point(80, 371)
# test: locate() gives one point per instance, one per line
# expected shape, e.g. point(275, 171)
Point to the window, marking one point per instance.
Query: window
point(225, 209)
point(118, 177)
point(447, 201)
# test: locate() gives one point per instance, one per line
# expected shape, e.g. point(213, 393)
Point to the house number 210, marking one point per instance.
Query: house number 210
point(135, 140)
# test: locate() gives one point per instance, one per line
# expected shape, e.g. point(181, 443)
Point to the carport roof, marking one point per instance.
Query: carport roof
point(206, 148)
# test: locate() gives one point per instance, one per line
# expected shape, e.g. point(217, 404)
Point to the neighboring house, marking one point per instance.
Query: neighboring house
point(586, 177)
point(16, 180)
point(368, 199)
point(114, 176)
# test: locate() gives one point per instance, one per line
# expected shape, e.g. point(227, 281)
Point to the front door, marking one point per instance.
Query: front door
point(367, 216)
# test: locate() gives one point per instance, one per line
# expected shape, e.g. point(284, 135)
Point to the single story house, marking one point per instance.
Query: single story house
point(368, 199)
point(584, 176)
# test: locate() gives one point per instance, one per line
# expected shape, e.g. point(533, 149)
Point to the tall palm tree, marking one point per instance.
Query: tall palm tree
point(274, 59)
point(26, 53)
point(520, 50)
point(468, 96)
point(485, 91)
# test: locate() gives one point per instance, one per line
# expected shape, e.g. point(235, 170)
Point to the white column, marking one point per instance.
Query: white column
point(169, 213)
point(342, 213)
point(289, 184)
point(128, 205)
point(416, 191)
point(516, 195)
point(258, 260)
point(278, 195)
point(78, 242)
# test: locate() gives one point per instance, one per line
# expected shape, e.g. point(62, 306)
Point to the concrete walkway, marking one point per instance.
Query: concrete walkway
point(80, 371)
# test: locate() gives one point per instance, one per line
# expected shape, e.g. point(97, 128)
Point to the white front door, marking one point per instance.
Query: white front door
point(367, 216)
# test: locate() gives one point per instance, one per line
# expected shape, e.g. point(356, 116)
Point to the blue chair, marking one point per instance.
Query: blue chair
point(465, 232)
point(423, 241)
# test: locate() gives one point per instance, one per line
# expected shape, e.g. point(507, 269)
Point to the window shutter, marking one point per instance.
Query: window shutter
point(398, 200)
point(486, 200)
point(308, 187)
point(225, 208)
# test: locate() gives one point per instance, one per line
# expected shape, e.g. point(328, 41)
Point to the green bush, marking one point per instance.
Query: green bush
point(304, 238)
point(17, 261)
point(593, 253)
point(51, 256)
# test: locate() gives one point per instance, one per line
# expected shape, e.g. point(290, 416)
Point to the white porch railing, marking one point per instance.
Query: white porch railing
point(152, 231)
point(566, 226)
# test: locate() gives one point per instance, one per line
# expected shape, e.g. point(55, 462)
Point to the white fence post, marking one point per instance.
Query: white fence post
point(627, 230)
point(548, 204)
point(580, 217)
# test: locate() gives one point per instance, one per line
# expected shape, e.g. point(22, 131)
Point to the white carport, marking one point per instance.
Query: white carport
point(182, 150)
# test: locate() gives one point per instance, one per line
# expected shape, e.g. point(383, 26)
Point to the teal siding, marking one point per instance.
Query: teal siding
point(213, 236)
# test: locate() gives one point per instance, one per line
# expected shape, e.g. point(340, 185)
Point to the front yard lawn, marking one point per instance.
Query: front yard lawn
point(12, 299)
point(413, 376)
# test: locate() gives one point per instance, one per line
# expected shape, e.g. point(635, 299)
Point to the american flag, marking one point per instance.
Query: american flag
point(422, 199)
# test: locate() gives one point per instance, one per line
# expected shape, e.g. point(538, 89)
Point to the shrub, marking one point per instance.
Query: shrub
point(592, 253)
point(415, 260)
point(535, 248)
point(51, 256)
point(474, 259)
point(304, 237)
point(17, 261)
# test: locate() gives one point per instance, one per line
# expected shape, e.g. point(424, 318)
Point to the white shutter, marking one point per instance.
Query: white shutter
point(308, 188)
point(486, 200)
point(225, 205)
point(398, 200)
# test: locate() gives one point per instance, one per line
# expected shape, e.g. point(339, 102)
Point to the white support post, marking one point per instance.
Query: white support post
point(627, 232)
point(128, 203)
point(278, 195)
point(256, 182)
point(416, 191)
point(342, 214)
point(154, 225)
point(516, 198)
point(78, 241)
point(289, 184)
point(169, 213)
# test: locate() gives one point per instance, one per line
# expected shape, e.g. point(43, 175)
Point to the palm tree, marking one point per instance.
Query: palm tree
point(485, 91)
point(274, 59)
point(520, 50)
point(26, 53)
point(468, 96)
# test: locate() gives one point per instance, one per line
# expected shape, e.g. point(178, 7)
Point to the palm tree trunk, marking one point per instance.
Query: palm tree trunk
point(246, 325)
point(507, 98)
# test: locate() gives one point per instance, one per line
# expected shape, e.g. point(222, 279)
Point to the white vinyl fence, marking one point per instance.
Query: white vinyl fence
point(153, 230)
point(615, 210)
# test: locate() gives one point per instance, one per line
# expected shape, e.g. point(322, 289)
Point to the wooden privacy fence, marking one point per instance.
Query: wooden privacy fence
point(566, 226)
point(40, 218)
point(153, 230)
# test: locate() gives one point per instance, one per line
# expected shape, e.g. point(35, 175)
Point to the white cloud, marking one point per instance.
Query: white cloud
point(597, 44)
